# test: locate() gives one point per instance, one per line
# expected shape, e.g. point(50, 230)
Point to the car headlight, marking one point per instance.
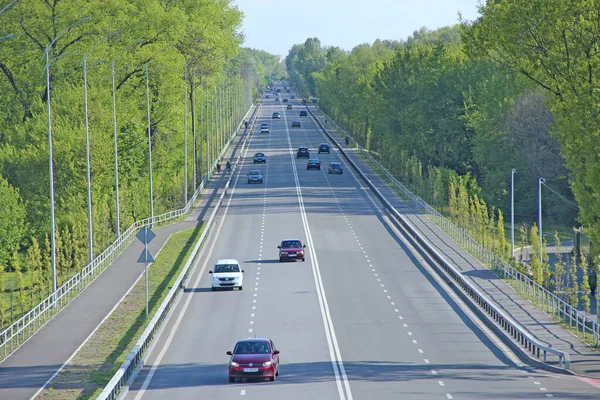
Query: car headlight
point(267, 364)
point(234, 364)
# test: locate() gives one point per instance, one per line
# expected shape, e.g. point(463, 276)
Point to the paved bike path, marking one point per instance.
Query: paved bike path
point(25, 371)
point(584, 359)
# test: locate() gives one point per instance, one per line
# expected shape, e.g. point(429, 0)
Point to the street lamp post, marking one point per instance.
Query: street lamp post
point(87, 145)
point(185, 122)
point(149, 143)
point(512, 212)
point(114, 96)
point(540, 182)
point(50, 158)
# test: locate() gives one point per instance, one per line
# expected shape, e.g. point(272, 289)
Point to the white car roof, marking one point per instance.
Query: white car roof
point(227, 261)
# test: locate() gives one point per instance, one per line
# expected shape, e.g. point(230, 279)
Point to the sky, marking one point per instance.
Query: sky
point(276, 25)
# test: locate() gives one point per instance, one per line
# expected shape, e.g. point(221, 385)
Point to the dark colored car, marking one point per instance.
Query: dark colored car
point(255, 176)
point(260, 158)
point(303, 101)
point(264, 128)
point(295, 124)
point(313, 163)
point(254, 358)
point(285, 100)
point(276, 99)
point(336, 168)
point(291, 249)
point(303, 113)
point(276, 115)
point(267, 97)
point(303, 152)
point(289, 107)
point(324, 148)
point(292, 97)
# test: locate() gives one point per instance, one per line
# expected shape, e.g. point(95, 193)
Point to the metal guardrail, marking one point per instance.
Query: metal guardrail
point(134, 360)
point(22, 329)
point(512, 328)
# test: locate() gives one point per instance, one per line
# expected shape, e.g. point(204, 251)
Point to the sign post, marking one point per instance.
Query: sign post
point(145, 235)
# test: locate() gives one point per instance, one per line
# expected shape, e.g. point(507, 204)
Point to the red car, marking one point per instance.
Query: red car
point(291, 249)
point(254, 358)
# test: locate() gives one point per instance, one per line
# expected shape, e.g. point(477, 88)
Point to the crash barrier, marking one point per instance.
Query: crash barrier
point(134, 361)
point(22, 329)
point(511, 327)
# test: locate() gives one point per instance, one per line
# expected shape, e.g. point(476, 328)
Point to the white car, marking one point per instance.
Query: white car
point(227, 274)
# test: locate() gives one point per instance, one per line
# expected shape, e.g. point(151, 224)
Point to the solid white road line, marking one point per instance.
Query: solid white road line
point(334, 351)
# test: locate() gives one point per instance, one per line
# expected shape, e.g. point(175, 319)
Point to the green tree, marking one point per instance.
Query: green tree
point(537, 268)
point(559, 268)
point(35, 264)
point(585, 284)
point(12, 220)
point(554, 45)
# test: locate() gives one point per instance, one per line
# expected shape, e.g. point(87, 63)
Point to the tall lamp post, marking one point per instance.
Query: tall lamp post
point(51, 162)
point(150, 132)
point(540, 182)
point(87, 144)
point(185, 122)
point(512, 212)
point(114, 96)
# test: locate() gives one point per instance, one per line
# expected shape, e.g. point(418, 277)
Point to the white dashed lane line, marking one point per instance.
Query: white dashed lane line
point(382, 285)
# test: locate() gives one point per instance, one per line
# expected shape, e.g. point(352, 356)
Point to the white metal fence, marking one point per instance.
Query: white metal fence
point(21, 330)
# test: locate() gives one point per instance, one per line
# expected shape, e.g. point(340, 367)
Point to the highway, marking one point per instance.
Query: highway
point(361, 318)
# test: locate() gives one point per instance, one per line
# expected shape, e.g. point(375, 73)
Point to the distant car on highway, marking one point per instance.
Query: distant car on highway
point(255, 176)
point(303, 113)
point(303, 152)
point(285, 100)
point(324, 148)
point(276, 115)
point(292, 97)
point(295, 124)
point(313, 163)
point(260, 158)
point(336, 168)
point(254, 358)
point(227, 274)
point(291, 250)
point(289, 107)
point(267, 97)
point(264, 128)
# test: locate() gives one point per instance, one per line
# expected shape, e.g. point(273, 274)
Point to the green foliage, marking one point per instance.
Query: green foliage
point(559, 268)
point(585, 284)
point(200, 34)
point(12, 220)
point(553, 45)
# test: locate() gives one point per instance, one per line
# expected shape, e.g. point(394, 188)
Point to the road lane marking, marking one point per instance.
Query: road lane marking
point(243, 392)
point(426, 361)
point(441, 383)
point(334, 351)
point(420, 351)
point(449, 396)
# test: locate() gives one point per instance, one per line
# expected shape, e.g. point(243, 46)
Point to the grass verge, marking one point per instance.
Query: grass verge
point(95, 364)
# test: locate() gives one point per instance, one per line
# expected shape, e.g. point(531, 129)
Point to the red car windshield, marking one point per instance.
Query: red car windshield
point(252, 348)
point(291, 243)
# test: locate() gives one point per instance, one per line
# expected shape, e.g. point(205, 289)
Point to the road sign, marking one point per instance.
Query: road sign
point(145, 235)
point(146, 256)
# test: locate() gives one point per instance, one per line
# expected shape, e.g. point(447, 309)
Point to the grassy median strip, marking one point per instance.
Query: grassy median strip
point(95, 364)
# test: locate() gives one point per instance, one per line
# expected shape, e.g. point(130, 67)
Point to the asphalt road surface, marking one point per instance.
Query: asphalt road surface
point(362, 318)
